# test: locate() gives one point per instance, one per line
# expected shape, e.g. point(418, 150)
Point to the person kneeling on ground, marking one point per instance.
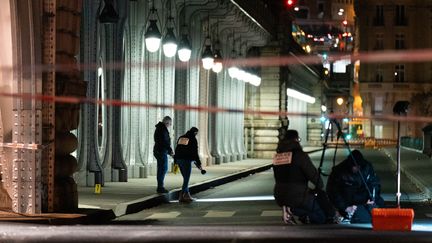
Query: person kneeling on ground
point(186, 152)
point(293, 169)
point(354, 188)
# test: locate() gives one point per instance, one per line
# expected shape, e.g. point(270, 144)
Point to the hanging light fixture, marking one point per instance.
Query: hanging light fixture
point(217, 62)
point(207, 55)
point(108, 14)
point(152, 35)
point(217, 65)
point(184, 48)
point(169, 44)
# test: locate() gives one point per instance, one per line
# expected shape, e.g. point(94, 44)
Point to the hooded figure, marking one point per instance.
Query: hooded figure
point(354, 188)
point(161, 149)
point(292, 174)
point(186, 152)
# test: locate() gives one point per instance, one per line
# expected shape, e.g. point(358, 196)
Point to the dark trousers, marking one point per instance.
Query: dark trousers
point(362, 214)
point(316, 207)
point(185, 169)
point(162, 167)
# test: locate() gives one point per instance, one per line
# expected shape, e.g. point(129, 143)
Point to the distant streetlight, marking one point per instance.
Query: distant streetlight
point(339, 101)
point(323, 108)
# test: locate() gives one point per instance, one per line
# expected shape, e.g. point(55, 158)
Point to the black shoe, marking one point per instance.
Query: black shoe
point(161, 190)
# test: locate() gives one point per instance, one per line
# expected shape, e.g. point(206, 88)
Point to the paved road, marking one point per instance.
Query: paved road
point(249, 201)
point(384, 167)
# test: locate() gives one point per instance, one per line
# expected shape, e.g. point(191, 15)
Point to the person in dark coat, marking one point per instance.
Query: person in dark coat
point(293, 170)
point(161, 149)
point(186, 152)
point(354, 196)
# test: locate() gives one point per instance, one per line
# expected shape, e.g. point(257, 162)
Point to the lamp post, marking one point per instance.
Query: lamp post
point(401, 109)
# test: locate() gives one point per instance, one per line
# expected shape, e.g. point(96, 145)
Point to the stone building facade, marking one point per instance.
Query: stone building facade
point(392, 26)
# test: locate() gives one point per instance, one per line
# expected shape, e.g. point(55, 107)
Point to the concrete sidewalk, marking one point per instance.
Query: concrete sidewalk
point(137, 194)
point(416, 166)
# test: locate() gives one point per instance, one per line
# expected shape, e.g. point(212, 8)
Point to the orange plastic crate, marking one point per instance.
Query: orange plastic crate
point(394, 219)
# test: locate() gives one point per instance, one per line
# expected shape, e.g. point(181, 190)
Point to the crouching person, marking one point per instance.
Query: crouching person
point(293, 169)
point(186, 152)
point(354, 188)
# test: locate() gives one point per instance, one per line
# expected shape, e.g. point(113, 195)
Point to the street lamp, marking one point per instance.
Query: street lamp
point(169, 43)
point(153, 35)
point(184, 49)
point(217, 64)
point(340, 101)
point(207, 57)
point(323, 108)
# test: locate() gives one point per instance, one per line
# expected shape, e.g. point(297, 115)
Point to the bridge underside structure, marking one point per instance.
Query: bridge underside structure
point(54, 49)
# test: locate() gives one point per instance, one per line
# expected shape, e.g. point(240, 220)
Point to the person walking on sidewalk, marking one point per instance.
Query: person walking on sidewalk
point(351, 194)
point(293, 170)
point(161, 149)
point(186, 152)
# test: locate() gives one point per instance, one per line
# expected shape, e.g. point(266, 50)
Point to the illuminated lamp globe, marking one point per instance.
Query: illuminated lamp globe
point(185, 49)
point(152, 37)
point(169, 43)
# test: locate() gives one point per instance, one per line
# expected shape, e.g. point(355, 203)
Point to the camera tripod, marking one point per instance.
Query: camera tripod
point(340, 134)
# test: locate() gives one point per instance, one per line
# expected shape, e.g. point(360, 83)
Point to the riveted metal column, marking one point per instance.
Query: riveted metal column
point(117, 55)
point(240, 121)
point(137, 139)
point(203, 120)
point(89, 161)
point(48, 108)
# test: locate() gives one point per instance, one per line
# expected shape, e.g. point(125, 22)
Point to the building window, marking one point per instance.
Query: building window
point(379, 74)
point(378, 106)
point(399, 41)
point(379, 41)
point(399, 74)
point(379, 15)
point(400, 18)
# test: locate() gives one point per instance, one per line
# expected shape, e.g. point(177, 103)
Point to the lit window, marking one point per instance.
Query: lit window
point(399, 74)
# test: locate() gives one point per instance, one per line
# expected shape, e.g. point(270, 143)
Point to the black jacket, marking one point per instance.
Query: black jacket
point(162, 139)
point(291, 188)
point(346, 188)
point(189, 151)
